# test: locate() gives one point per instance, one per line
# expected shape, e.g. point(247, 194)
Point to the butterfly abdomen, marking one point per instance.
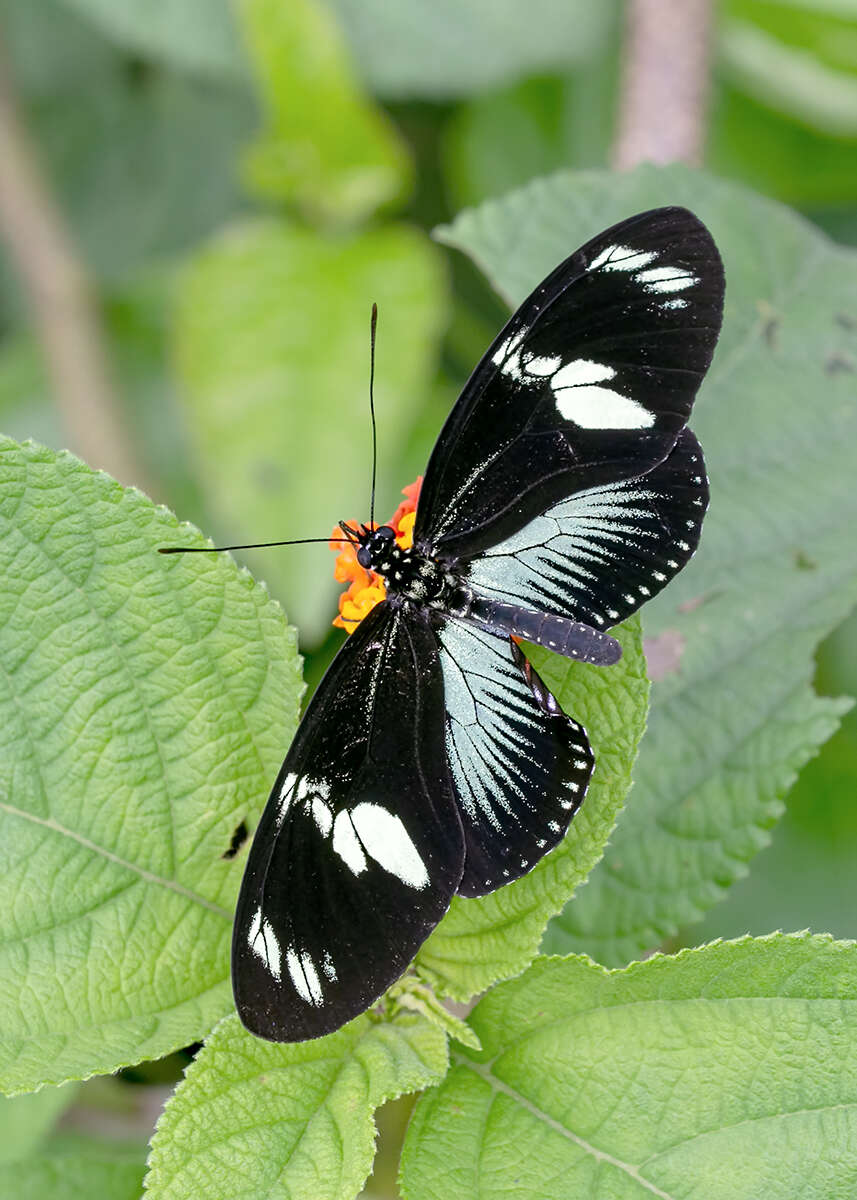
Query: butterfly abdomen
point(570, 638)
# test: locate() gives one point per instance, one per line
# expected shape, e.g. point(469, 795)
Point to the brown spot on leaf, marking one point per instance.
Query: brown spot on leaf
point(695, 602)
point(838, 363)
point(803, 562)
point(663, 653)
point(770, 323)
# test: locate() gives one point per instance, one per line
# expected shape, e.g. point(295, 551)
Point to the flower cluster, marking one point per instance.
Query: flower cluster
point(365, 588)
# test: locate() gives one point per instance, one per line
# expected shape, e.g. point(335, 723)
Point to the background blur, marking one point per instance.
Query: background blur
point(200, 200)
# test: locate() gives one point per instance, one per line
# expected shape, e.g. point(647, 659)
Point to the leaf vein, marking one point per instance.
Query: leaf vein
point(149, 876)
point(601, 1156)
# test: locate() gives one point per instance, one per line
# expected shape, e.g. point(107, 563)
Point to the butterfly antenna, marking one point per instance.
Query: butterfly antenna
point(251, 546)
point(373, 326)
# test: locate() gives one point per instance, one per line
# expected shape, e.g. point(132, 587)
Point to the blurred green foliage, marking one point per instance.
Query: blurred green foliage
point(242, 180)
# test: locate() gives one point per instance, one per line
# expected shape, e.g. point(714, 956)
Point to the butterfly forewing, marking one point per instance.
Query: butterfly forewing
point(590, 382)
point(360, 847)
point(519, 765)
point(599, 555)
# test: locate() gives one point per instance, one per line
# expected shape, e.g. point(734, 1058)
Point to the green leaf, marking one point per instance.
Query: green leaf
point(409, 994)
point(193, 35)
point(328, 150)
point(806, 877)
point(124, 147)
point(145, 705)
point(791, 79)
point(722, 1072)
point(143, 167)
point(273, 347)
point(254, 1118)
point(785, 97)
point(751, 142)
point(76, 1168)
point(25, 1120)
point(733, 716)
point(460, 47)
point(135, 320)
point(51, 48)
point(502, 140)
point(496, 936)
point(26, 410)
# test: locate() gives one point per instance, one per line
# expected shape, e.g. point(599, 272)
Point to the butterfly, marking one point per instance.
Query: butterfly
point(565, 490)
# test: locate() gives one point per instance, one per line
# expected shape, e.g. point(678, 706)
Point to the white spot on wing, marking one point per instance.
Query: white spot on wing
point(581, 399)
point(263, 942)
point(346, 845)
point(666, 279)
point(622, 258)
point(285, 797)
point(507, 356)
point(583, 370)
point(322, 815)
point(385, 838)
point(304, 976)
point(542, 366)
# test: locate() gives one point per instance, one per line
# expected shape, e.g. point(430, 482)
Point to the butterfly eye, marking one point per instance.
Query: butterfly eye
point(364, 557)
point(386, 533)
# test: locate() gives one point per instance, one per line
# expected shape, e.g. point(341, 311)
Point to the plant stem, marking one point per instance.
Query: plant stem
point(664, 88)
point(60, 299)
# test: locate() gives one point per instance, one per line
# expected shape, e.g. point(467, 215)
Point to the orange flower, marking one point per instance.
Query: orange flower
point(365, 588)
point(406, 514)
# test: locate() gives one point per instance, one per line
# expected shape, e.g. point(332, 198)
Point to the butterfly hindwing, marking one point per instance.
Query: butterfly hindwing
point(360, 847)
point(590, 382)
point(600, 554)
point(519, 765)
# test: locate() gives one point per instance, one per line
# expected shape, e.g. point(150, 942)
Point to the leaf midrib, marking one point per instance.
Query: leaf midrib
point(497, 1085)
point(484, 1071)
point(149, 876)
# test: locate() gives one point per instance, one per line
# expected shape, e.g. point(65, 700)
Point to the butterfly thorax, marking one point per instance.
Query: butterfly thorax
point(414, 578)
point(407, 573)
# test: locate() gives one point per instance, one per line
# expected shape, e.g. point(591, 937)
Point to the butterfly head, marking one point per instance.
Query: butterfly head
point(375, 547)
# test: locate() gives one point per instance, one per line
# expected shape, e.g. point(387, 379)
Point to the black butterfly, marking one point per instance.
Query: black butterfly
point(564, 490)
